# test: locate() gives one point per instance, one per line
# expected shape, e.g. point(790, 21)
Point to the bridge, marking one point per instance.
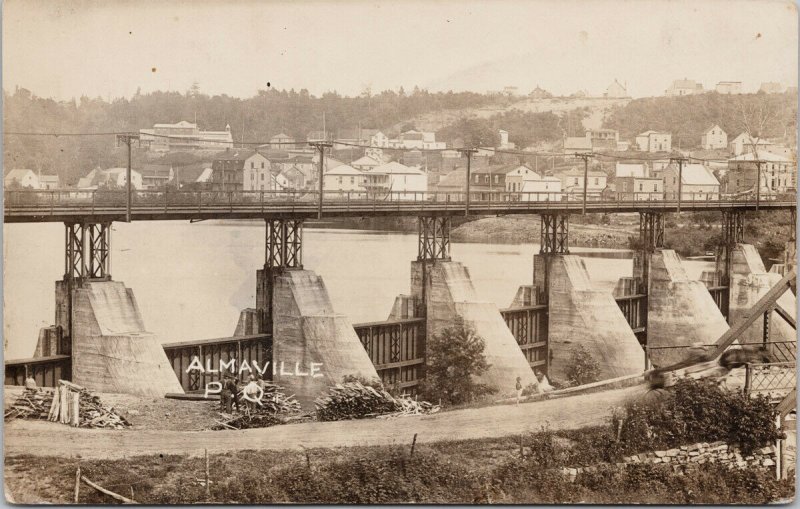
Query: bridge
point(652, 318)
point(24, 206)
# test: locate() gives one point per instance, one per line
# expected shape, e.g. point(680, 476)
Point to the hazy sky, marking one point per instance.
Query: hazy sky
point(67, 48)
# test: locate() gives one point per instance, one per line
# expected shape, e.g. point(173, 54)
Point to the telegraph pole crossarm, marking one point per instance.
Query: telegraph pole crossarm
point(468, 152)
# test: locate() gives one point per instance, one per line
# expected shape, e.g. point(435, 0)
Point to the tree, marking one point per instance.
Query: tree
point(582, 368)
point(454, 359)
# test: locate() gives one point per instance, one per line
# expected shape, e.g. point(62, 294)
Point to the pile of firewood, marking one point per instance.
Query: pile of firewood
point(273, 408)
point(69, 404)
point(354, 400)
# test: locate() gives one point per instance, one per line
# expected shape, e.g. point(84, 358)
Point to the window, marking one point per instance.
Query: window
point(486, 179)
point(262, 165)
point(655, 187)
point(596, 181)
point(339, 179)
point(641, 186)
point(252, 164)
point(576, 181)
point(262, 176)
point(497, 179)
point(352, 180)
point(477, 179)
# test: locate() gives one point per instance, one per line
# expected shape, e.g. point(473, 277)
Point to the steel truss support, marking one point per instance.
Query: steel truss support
point(434, 239)
point(283, 251)
point(87, 252)
point(732, 234)
point(651, 238)
point(554, 234)
point(284, 244)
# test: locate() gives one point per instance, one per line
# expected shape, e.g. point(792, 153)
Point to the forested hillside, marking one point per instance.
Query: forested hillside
point(253, 119)
point(687, 117)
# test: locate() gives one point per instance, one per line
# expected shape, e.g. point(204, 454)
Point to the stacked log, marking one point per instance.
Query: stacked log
point(354, 400)
point(68, 404)
point(273, 408)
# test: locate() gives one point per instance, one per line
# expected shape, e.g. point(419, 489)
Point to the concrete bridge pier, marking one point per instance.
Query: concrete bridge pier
point(442, 289)
point(102, 327)
point(579, 315)
point(313, 347)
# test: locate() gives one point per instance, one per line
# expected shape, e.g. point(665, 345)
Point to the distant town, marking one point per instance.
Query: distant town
point(184, 156)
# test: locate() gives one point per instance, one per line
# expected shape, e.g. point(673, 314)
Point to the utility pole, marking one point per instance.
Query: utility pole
point(128, 139)
point(585, 158)
point(680, 161)
point(320, 146)
point(758, 180)
point(468, 152)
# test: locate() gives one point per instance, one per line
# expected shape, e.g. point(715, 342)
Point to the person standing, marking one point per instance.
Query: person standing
point(519, 389)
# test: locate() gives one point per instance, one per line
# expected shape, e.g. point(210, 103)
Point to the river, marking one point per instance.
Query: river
point(191, 280)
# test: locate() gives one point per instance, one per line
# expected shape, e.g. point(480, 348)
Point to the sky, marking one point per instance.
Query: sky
point(111, 48)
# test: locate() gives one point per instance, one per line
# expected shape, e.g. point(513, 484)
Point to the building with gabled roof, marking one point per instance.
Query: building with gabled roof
point(697, 183)
point(713, 138)
point(21, 178)
point(778, 174)
point(684, 87)
point(403, 182)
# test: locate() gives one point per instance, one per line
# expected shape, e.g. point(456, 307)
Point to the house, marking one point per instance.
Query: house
point(684, 87)
point(577, 145)
point(205, 176)
point(402, 181)
point(616, 90)
point(184, 136)
point(229, 171)
point(49, 182)
point(537, 188)
point(343, 178)
point(729, 87)
point(603, 139)
point(515, 177)
point(492, 179)
point(572, 182)
point(22, 178)
point(281, 141)
point(112, 177)
point(639, 188)
point(540, 93)
point(504, 143)
point(778, 173)
point(379, 140)
point(452, 185)
point(291, 178)
point(365, 163)
point(258, 174)
point(697, 183)
point(417, 139)
point(744, 143)
point(654, 141)
point(771, 87)
point(713, 138)
point(631, 170)
point(155, 176)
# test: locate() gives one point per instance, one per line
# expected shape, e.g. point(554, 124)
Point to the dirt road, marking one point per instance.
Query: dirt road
point(52, 439)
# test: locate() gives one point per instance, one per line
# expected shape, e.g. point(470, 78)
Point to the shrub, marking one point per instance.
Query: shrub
point(582, 368)
point(699, 411)
point(455, 358)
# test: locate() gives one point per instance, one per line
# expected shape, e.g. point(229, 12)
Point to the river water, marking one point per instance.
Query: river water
point(191, 280)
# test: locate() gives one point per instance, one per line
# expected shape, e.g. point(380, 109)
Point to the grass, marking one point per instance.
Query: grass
point(464, 471)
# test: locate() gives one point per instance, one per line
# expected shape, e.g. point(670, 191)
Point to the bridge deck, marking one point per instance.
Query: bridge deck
point(101, 206)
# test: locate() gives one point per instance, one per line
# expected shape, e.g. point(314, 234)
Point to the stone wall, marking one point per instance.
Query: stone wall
point(692, 456)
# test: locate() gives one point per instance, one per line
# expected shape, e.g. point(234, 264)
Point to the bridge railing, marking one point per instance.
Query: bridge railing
point(47, 371)
point(529, 326)
point(396, 349)
point(721, 295)
point(634, 309)
point(773, 379)
point(210, 352)
point(98, 200)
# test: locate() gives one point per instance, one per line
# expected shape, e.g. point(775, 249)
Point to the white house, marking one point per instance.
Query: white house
point(49, 181)
point(744, 144)
point(417, 139)
point(402, 181)
point(113, 177)
point(684, 87)
point(778, 174)
point(697, 183)
point(631, 170)
point(541, 189)
point(713, 138)
point(257, 174)
point(22, 178)
point(729, 87)
point(365, 163)
point(654, 141)
point(515, 177)
point(343, 178)
point(379, 140)
point(616, 90)
point(572, 182)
